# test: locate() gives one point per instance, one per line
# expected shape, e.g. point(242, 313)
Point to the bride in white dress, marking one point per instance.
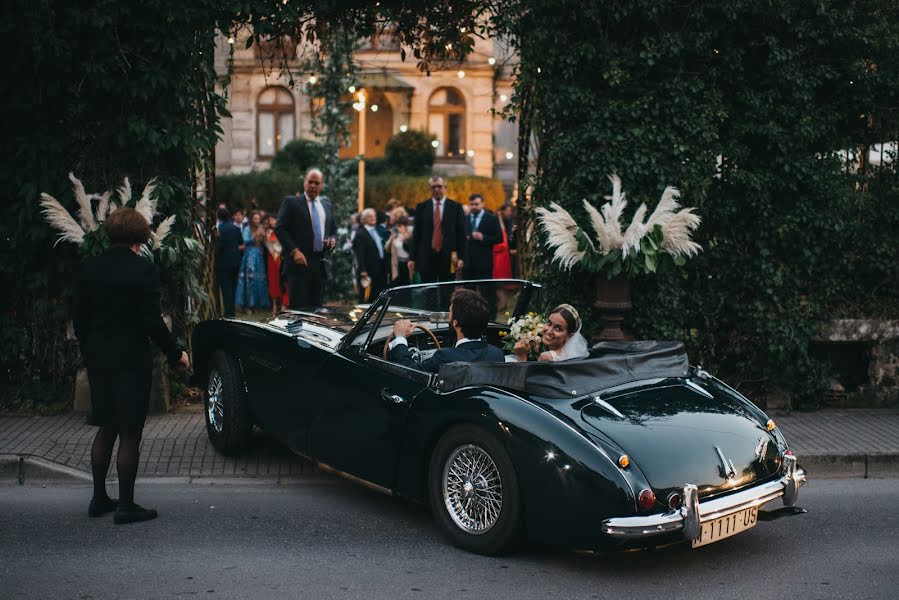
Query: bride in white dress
point(561, 337)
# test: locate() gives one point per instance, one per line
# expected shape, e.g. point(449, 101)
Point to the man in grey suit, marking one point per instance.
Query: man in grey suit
point(306, 230)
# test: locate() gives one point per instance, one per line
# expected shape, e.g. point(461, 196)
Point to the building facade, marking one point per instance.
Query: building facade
point(456, 106)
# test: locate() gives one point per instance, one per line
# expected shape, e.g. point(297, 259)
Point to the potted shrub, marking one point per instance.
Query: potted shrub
point(614, 253)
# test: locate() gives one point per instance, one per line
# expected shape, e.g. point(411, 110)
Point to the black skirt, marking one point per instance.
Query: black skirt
point(120, 398)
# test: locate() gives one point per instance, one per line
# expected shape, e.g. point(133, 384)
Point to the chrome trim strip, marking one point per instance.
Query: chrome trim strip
point(633, 528)
point(608, 407)
point(692, 385)
point(344, 475)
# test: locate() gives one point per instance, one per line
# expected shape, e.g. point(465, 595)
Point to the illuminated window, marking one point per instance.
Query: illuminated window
point(274, 121)
point(446, 121)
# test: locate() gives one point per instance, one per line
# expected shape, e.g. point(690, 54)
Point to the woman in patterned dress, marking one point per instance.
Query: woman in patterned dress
point(252, 282)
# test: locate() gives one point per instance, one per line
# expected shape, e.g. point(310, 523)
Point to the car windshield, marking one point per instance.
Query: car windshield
point(430, 303)
point(505, 298)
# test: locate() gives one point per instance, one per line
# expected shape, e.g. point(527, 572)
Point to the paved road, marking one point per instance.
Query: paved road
point(335, 540)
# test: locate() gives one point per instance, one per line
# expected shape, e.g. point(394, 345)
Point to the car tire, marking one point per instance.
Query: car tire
point(228, 421)
point(473, 491)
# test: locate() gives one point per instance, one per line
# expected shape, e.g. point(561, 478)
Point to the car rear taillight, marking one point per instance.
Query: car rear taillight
point(674, 500)
point(646, 500)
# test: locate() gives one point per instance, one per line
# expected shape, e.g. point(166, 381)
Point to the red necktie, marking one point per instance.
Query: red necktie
point(437, 239)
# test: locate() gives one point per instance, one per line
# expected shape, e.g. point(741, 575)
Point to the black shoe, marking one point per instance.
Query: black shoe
point(133, 514)
point(101, 506)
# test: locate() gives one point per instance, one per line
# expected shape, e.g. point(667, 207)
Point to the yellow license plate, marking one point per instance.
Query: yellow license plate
point(724, 527)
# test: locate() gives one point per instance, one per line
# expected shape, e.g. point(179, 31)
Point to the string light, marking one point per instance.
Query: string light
point(539, 70)
point(435, 143)
point(470, 153)
point(352, 89)
point(374, 108)
point(404, 128)
point(231, 39)
point(509, 155)
point(461, 30)
point(491, 61)
point(449, 46)
point(313, 79)
point(461, 74)
point(503, 97)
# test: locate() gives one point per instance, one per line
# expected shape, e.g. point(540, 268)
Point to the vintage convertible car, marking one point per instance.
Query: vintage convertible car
point(631, 447)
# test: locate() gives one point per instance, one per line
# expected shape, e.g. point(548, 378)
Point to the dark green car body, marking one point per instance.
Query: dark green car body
point(318, 382)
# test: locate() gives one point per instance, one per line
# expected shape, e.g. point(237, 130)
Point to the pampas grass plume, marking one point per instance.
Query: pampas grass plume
point(60, 218)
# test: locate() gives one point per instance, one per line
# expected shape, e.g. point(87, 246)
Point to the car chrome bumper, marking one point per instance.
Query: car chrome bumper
point(692, 514)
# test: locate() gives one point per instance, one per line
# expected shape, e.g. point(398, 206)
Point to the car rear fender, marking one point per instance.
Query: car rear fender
point(568, 482)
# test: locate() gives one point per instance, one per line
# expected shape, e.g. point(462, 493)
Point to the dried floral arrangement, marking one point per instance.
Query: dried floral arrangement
point(90, 220)
point(645, 246)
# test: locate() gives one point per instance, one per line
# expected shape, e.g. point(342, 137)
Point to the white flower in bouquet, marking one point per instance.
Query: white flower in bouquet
point(527, 327)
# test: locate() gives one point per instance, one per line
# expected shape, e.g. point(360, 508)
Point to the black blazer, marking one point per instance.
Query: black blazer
point(480, 252)
point(468, 352)
point(227, 250)
point(452, 224)
point(294, 226)
point(117, 312)
point(366, 253)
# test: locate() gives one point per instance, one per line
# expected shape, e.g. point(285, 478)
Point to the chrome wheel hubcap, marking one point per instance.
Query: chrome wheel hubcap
point(472, 489)
point(215, 409)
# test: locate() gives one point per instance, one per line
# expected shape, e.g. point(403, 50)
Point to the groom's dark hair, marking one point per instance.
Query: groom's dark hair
point(470, 310)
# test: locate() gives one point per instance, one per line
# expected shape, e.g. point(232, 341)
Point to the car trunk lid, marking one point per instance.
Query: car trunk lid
point(684, 432)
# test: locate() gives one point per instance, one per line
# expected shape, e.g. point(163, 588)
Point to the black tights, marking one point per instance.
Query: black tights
point(126, 463)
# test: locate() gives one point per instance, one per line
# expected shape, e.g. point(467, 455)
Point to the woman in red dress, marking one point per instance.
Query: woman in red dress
point(502, 266)
point(276, 290)
point(502, 259)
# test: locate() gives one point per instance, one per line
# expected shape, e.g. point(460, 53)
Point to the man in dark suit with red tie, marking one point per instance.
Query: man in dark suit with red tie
point(439, 233)
point(306, 230)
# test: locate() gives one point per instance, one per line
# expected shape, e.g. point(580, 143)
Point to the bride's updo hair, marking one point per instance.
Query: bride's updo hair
point(572, 318)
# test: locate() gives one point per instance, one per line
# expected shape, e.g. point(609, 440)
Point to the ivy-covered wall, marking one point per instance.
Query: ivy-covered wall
point(105, 90)
point(745, 106)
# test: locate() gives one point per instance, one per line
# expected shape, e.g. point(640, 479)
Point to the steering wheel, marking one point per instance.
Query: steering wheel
point(414, 326)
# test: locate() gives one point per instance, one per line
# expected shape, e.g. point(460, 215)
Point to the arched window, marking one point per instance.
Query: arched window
point(274, 121)
point(446, 120)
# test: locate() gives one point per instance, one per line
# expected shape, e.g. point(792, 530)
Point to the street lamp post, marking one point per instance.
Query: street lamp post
point(360, 106)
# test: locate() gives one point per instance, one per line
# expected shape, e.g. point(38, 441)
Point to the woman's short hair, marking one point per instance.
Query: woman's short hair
point(402, 220)
point(126, 227)
point(470, 310)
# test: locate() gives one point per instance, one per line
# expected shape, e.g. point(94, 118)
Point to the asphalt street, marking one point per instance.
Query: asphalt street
point(331, 539)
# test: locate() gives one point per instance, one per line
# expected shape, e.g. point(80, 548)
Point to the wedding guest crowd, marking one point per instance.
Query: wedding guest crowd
point(280, 261)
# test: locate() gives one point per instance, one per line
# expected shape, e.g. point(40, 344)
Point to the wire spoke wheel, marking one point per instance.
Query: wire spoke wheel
point(214, 405)
point(472, 489)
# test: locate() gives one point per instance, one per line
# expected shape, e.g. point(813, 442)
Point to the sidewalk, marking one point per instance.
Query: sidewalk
point(830, 443)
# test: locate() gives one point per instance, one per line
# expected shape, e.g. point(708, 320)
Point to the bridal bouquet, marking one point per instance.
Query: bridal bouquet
point(527, 327)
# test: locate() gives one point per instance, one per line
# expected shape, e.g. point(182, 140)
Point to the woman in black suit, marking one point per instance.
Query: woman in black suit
point(116, 314)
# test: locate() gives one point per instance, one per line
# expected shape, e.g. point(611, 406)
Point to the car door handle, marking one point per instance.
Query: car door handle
point(391, 398)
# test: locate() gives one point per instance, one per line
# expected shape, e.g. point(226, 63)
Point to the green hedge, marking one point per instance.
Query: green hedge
point(410, 190)
point(264, 189)
point(790, 237)
point(258, 189)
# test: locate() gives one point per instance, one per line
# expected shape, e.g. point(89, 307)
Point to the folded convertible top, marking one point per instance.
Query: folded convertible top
point(610, 364)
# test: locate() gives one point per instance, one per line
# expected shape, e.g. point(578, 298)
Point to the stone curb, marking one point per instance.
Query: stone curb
point(27, 468)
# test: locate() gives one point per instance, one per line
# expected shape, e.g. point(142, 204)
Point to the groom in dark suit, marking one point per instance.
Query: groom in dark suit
point(306, 230)
point(468, 316)
point(438, 233)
